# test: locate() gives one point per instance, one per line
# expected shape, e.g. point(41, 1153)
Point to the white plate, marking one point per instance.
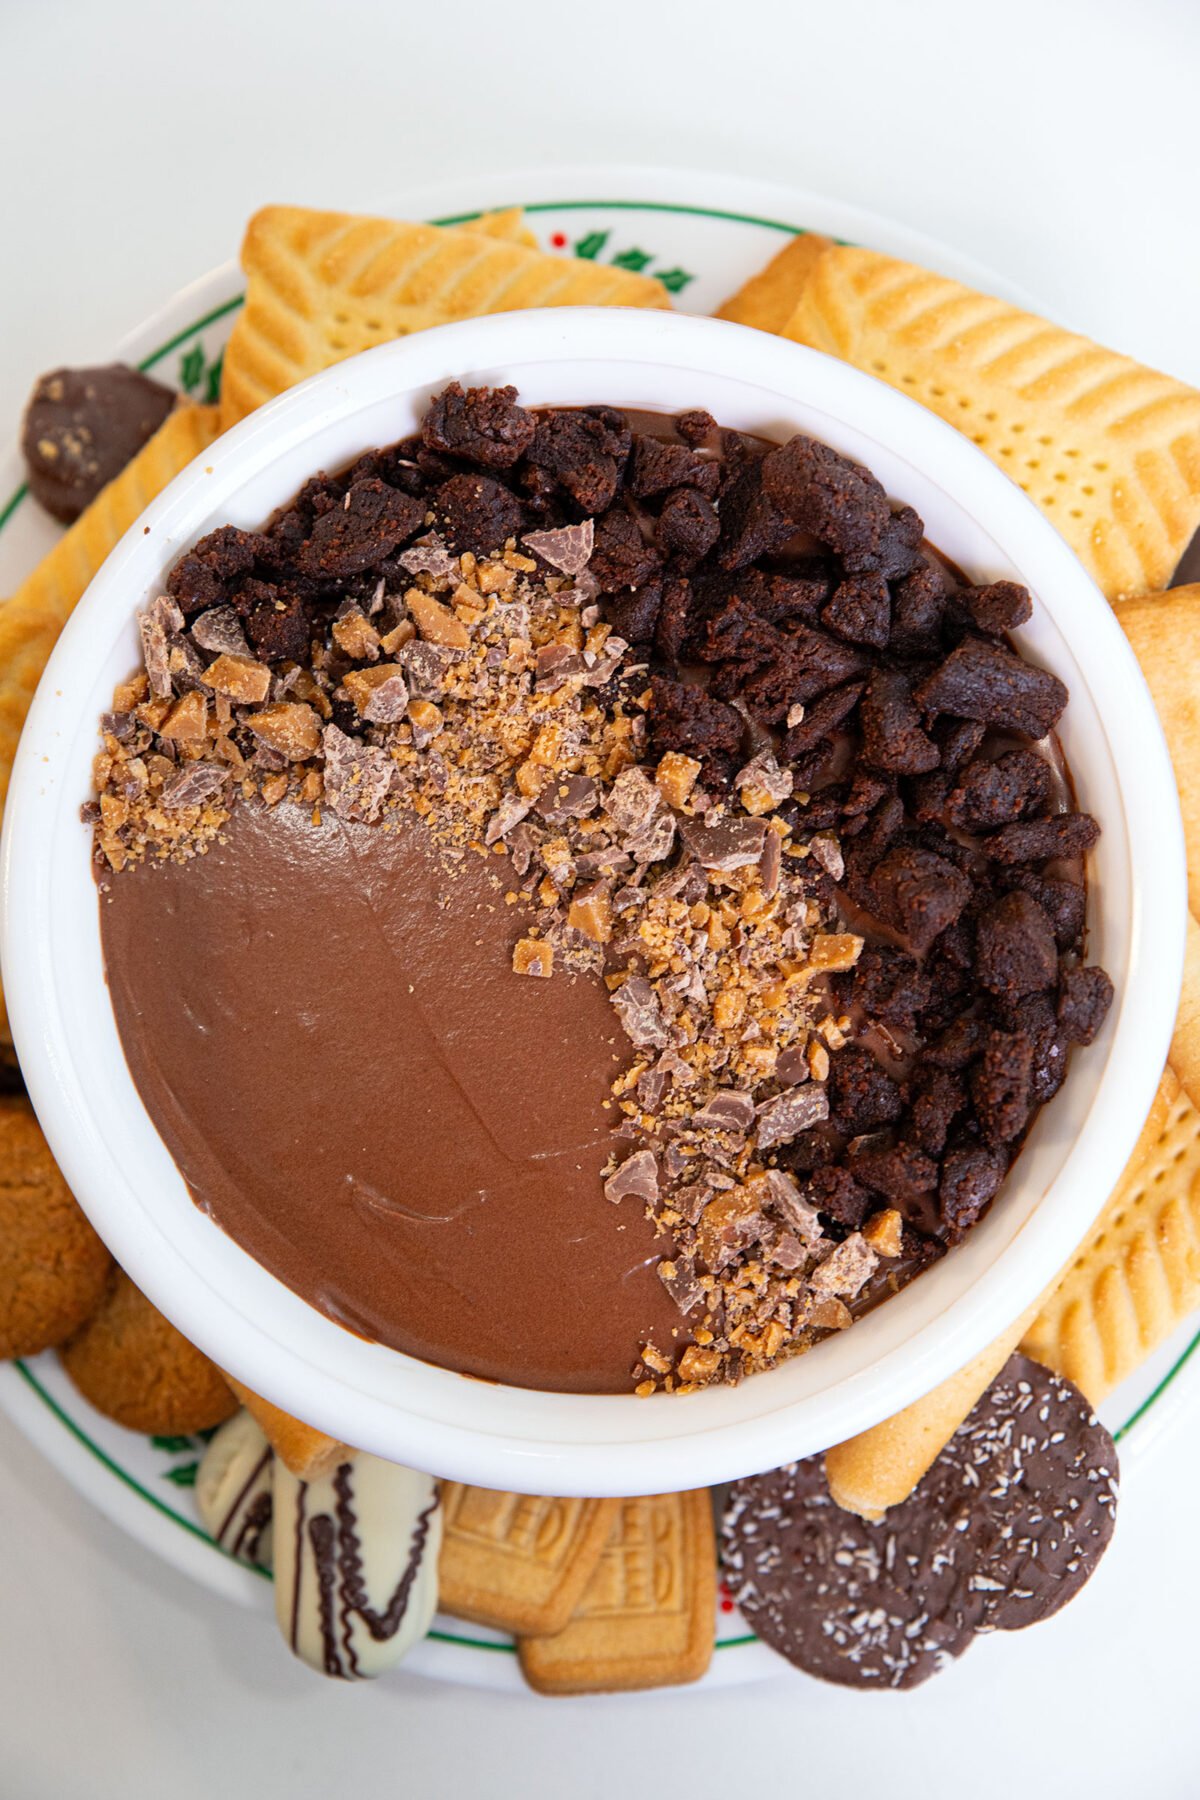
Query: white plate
point(703, 235)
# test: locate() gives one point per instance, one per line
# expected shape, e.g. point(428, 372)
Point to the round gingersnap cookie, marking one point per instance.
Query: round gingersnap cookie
point(1005, 1528)
point(53, 1267)
point(134, 1366)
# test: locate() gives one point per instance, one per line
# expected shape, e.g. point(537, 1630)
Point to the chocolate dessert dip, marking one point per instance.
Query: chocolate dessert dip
point(591, 901)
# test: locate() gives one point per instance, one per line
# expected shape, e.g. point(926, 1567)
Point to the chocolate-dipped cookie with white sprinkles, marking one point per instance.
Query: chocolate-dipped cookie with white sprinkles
point(1005, 1528)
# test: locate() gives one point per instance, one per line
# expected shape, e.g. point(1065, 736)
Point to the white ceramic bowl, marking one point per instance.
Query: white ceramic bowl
point(507, 1437)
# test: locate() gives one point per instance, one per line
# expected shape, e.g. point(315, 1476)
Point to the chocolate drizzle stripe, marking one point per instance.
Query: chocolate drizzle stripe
point(245, 1488)
point(322, 1535)
point(249, 1539)
point(298, 1571)
point(381, 1625)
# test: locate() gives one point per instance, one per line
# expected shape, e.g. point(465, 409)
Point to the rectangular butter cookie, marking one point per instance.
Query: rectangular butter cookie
point(646, 1617)
point(518, 1562)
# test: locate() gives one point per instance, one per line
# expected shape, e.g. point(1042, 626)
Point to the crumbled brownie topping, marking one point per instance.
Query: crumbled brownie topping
point(921, 612)
point(688, 525)
point(622, 558)
point(1064, 902)
point(1015, 949)
point(658, 465)
point(476, 514)
point(740, 746)
point(484, 425)
point(984, 681)
point(971, 1177)
point(1084, 998)
point(580, 455)
point(696, 426)
point(819, 491)
point(999, 607)
point(371, 521)
point(1065, 835)
point(865, 1097)
point(988, 794)
point(861, 610)
point(917, 893)
point(1000, 1085)
point(202, 578)
point(892, 737)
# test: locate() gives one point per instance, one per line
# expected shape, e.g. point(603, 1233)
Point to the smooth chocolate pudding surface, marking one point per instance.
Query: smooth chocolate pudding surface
point(324, 1025)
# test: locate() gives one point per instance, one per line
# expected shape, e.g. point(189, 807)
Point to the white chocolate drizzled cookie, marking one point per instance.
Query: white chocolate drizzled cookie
point(356, 1557)
point(234, 1490)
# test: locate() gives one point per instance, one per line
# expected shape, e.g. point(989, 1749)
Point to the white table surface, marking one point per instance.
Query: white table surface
point(1053, 139)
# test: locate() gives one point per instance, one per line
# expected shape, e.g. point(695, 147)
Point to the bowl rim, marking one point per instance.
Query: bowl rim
point(961, 1328)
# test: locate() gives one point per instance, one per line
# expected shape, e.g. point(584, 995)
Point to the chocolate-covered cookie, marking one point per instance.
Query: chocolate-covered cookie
point(82, 426)
point(1005, 1528)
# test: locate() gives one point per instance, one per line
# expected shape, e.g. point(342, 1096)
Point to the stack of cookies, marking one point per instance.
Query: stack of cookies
point(600, 1594)
point(618, 1594)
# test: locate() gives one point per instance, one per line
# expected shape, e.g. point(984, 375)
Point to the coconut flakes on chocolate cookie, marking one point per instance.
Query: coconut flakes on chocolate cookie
point(1005, 1528)
point(723, 739)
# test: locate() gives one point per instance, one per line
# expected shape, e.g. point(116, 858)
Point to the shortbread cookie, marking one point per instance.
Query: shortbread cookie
point(133, 1366)
point(646, 1616)
point(768, 300)
point(1185, 1043)
point(53, 1267)
point(1164, 632)
point(234, 1490)
point(519, 1562)
point(508, 225)
point(1137, 1274)
point(356, 1559)
point(1004, 1529)
point(1110, 450)
point(325, 285)
point(308, 1453)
